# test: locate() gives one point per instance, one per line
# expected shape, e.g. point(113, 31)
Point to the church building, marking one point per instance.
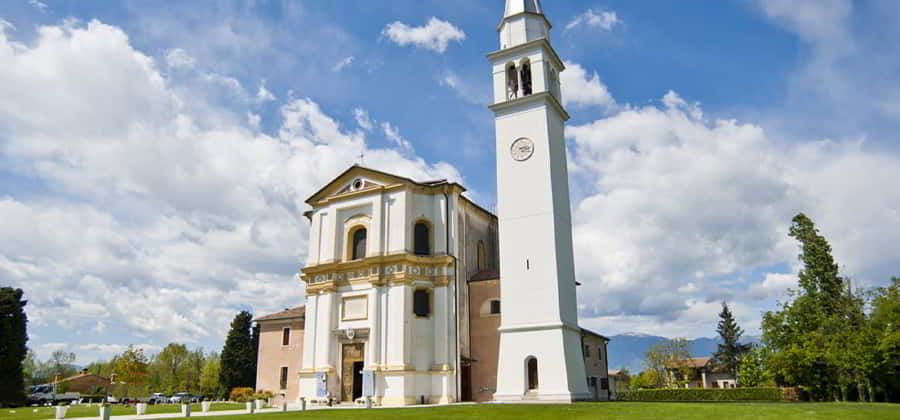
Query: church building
point(416, 294)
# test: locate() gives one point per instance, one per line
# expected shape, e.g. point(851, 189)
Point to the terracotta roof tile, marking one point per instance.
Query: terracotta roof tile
point(291, 313)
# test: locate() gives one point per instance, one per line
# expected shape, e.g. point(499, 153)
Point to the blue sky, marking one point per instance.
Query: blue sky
point(161, 155)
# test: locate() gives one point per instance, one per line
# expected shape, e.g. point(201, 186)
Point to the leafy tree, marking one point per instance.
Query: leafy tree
point(811, 334)
point(883, 376)
point(170, 363)
point(13, 336)
point(670, 354)
point(647, 379)
point(209, 377)
point(131, 368)
point(238, 361)
point(730, 351)
point(60, 364)
point(752, 370)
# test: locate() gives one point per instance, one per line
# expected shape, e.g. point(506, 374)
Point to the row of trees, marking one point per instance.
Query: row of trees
point(833, 342)
point(175, 368)
point(828, 340)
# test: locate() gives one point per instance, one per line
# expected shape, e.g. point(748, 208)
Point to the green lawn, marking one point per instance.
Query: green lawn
point(612, 410)
point(28, 413)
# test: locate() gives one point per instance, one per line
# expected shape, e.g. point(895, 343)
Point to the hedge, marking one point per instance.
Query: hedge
point(708, 394)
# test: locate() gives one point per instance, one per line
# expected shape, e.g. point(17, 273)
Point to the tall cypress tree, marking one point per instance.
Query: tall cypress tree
point(730, 351)
point(238, 356)
point(13, 336)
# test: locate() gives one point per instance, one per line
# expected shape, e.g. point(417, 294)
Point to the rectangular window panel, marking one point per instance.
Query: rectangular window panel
point(284, 377)
point(495, 307)
point(286, 337)
point(420, 303)
point(600, 353)
point(356, 307)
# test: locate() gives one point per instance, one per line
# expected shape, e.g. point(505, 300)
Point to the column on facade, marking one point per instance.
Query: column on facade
point(441, 332)
point(326, 325)
point(397, 335)
point(308, 361)
point(376, 230)
point(373, 347)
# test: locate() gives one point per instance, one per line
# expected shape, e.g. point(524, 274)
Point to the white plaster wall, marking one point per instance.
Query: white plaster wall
point(558, 376)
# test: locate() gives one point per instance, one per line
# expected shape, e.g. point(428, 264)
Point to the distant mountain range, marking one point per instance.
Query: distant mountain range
point(627, 350)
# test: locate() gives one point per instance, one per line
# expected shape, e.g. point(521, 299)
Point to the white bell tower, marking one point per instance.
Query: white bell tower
point(540, 341)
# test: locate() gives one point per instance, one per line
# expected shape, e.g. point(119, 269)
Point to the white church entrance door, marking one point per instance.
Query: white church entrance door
point(351, 371)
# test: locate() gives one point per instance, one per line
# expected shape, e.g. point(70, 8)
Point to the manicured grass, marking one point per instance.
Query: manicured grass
point(611, 410)
point(75, 411)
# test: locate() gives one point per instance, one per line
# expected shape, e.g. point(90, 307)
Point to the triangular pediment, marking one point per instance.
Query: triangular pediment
point(356, 178)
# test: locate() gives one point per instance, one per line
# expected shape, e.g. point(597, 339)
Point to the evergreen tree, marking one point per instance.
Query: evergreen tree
point(730, 351)
point(238, 358)
point(13, 336)
point(809, 336)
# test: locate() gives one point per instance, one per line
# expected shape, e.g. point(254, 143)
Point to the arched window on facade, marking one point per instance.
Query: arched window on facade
point(480, 256)
point(358, 249)
point(532, 373)
point(526, 78)
point(512, 82)
point(422, 239)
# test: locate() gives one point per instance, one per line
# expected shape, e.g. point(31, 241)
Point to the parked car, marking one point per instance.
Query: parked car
point(157, 398)
point(46, 394)
point(181, 397)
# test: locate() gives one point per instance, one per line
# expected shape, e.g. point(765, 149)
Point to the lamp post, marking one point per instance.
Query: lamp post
point(112, 380)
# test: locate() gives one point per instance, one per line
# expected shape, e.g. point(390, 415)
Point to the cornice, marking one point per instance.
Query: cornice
point(521, 48)
point(545, 97)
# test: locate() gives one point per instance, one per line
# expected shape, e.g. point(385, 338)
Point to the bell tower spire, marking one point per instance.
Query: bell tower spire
point(540, 342)
point(523, 21)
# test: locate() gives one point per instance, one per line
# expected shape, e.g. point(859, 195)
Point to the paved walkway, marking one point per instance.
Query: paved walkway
point(291, 407)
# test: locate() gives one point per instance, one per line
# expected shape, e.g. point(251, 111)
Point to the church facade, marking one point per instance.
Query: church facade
point(404, 298)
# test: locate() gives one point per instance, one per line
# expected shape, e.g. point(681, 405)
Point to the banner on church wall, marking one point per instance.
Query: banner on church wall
point(368, 388)
point(321, 384)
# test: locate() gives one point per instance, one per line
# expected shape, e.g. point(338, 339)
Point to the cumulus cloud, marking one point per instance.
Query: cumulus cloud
point(434, 36)
point(666, 200)
point(159, 214)
point(605, 20)
point(580, 88)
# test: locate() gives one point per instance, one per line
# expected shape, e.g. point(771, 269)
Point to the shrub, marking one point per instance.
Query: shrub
point(263, 395)
point(700, 394)
point(241, 394)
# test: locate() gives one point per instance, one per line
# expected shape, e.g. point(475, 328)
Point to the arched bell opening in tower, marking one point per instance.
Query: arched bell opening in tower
point(512, 81)
point(526, 77)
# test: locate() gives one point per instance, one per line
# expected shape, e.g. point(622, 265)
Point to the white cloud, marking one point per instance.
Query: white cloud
point(434, 36)
point(179, 59)
point(342, 64)
point(38, 5)
point(263, 94)
point(165, 215)
point(392, 133)
point(661, 194)
point(362, 119)
point(605, 20)
point(581, 88)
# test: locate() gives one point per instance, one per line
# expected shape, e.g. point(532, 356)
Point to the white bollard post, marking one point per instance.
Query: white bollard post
point(141, 408)
point(302, 403)
point(185, 410)
point(284, 406)
point(105, 412)
point(368, 402)
point(249, 406)
point(61, 411)
point(204, 406)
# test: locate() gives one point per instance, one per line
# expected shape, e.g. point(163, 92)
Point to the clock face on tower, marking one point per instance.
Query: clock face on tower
point(522, 149)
